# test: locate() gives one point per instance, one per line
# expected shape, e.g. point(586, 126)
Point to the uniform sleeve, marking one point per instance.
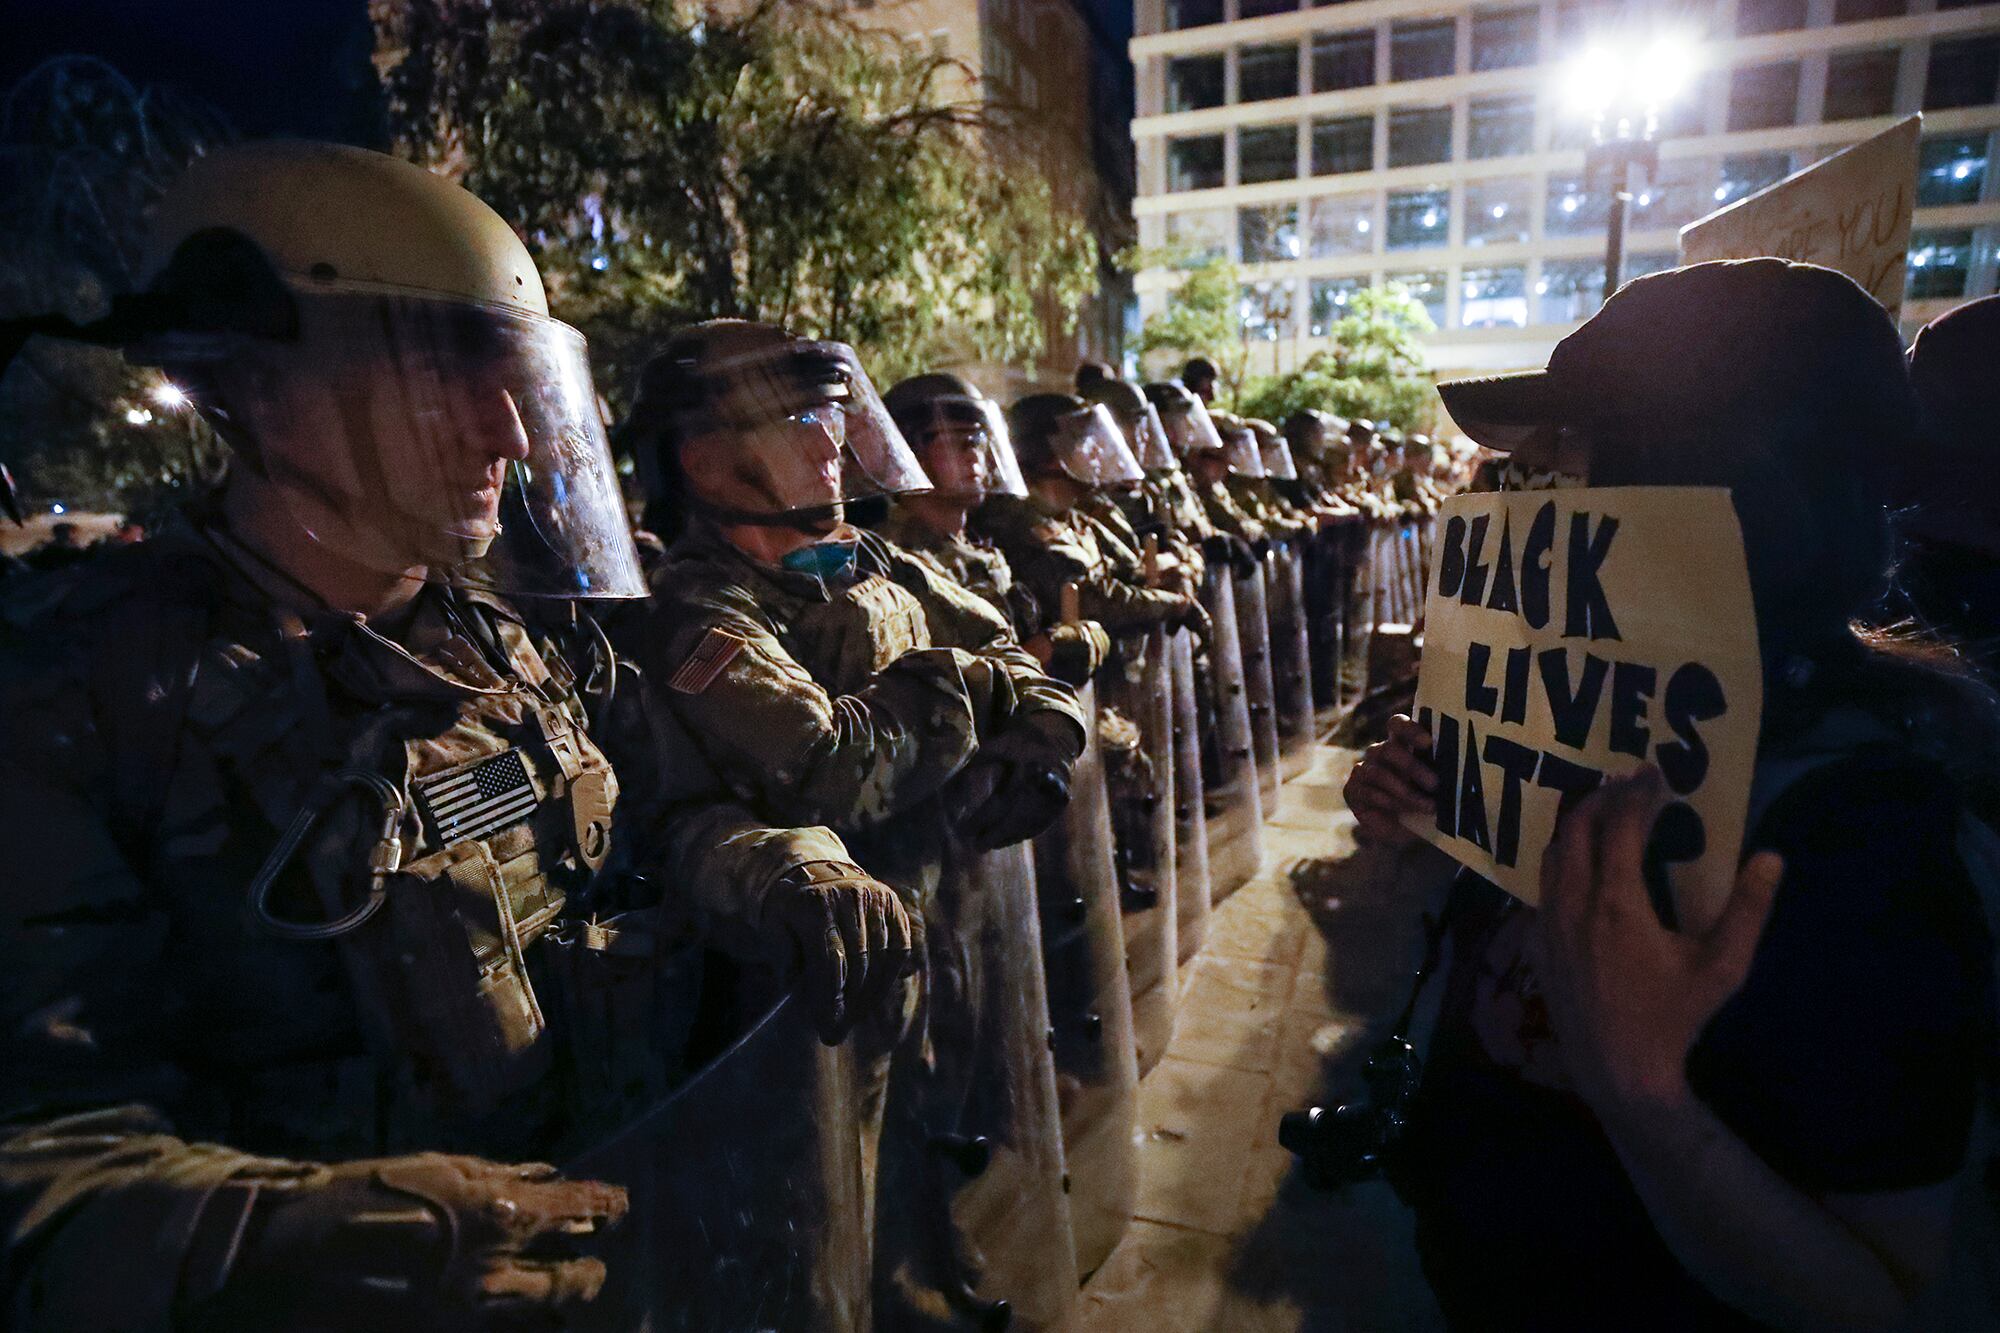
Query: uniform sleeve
point(789, 748)
point(959, 618)
point(1226, 517)
point(93, 1180)
point(677, 833)
point(1850, 1060)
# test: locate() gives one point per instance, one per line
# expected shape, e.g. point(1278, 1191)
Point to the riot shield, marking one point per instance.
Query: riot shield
point(1013, 1214)
point(1191, 891)
point(1291, 658)
point(1253, 633)
point(1142, 684)
point(745, 1189)
point(1362, 603)
point(1234, 808)
point(1322, 595)
point(1090, 1009)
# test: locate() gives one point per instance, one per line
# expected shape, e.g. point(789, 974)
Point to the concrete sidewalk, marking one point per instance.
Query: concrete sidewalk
point(1294, 984)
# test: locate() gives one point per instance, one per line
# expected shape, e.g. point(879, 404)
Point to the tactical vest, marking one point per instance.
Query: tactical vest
point(426, 822)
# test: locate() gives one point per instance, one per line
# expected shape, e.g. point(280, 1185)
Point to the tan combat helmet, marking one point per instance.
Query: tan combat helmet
point(416, 404)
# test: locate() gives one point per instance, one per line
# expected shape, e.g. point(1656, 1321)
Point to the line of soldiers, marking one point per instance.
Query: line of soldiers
point(425, 913)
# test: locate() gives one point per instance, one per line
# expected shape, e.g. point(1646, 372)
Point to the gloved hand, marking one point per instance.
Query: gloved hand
point(1017, 784)
point(1076, 651)
point(853, 941)
point(1238, 554)
point(430, 1241)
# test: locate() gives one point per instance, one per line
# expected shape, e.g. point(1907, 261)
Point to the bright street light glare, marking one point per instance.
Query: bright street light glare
point(170, 396)
point(1591, 81)
point(1664, 69)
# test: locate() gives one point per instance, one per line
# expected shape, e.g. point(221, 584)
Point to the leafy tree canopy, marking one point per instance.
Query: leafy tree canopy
point(1374, 367)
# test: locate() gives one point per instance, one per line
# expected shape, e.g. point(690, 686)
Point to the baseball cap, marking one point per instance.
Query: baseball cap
point(1734, 341)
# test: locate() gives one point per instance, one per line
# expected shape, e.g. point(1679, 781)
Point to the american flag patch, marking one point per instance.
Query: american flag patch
point(479, 800)
point(717, 649)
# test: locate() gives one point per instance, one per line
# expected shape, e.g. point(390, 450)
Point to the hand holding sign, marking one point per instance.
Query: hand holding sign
point(1627, 997)
point(1574, 634)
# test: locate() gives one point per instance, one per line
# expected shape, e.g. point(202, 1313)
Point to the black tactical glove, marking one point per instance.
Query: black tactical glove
point(430, 1241)
point(853, 941)
point(1017, 784)
point(1076, 651)
point(1239, 555)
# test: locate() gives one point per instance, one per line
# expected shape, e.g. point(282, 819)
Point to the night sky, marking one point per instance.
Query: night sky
point(297, 67)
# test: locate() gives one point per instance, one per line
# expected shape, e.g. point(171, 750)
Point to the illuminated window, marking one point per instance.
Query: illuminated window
point(1951, 169)
point(1268, 233)
point(1203, 233)
point(1418, 219)
point(1940, 265)
point(1746, 173)
point(1573, 208)
point(1569, 290)
point(1496, 211)
point(1342, 224)
point(1494, 298)
point(1426, 286)
point(1269, 312)
point(1330, 298)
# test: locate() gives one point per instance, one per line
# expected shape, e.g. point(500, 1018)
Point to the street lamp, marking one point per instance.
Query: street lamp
point(1622, 88)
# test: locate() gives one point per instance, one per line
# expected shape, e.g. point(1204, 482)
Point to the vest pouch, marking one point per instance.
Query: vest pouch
point(470, 1024)
point(621, 1001)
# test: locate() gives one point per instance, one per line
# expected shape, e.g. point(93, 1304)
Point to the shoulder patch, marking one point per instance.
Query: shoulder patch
point(717, 649)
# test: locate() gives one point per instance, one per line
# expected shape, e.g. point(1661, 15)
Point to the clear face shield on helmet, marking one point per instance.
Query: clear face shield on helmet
point(1147, 435)
point(1239, 450)
point(406, 431)
point(1187, 425)
point(1276, 453)
point(807, 431)
point(1090, 448)
point(967, 452)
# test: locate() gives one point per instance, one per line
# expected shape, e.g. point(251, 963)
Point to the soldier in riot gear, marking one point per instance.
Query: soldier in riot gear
point(960, 438)
point(827, 675)
point(316, 852)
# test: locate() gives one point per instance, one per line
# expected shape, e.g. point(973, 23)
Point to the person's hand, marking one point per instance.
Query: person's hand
point(1016, 785)
point(1392, 778)
point(853, 939)
point(1628, 997)
point(1076, 651)
point(426, 1241)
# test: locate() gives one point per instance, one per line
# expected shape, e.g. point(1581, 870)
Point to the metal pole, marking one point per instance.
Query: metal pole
point(1614, 240)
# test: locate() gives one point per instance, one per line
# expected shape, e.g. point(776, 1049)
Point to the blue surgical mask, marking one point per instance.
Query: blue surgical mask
point(830, 561)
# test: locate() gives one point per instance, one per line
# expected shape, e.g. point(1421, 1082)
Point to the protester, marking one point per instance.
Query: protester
point(1762, 1125)
point(1948, 575)
point(1200, 375)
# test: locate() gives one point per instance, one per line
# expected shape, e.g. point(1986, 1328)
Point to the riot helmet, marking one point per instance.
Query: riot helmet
point(1184, 418)
point(1239, 445)
point(1273, 450)
point(1314, 434)
point(1139, 420)
point(751, 424)
point(1058, 433)
point(376, 345)
point(958, 434)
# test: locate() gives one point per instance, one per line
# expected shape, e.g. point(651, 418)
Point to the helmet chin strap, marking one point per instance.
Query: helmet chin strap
point(814, 520)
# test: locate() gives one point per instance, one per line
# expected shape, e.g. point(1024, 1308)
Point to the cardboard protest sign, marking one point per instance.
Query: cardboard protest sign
point(1571, 634)
point(1849, 212)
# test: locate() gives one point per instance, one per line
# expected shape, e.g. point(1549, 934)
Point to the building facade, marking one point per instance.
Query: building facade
point(1338, 145)
point(1050, 73)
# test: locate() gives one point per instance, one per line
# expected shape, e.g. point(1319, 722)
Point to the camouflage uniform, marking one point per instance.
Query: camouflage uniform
point(859, 703)
point(1049, 550)
point(170, 709)
point(1227, 515)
